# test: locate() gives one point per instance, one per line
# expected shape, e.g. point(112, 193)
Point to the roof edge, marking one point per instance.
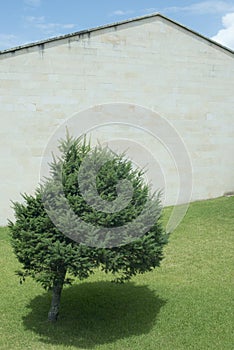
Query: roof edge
point(106, 26)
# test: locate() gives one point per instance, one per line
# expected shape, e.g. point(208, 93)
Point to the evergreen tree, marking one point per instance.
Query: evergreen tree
point(94, 210)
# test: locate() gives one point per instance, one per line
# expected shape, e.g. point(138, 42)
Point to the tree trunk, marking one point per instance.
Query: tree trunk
point(56, 296)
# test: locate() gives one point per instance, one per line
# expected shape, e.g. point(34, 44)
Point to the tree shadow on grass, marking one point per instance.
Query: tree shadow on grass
point(95, 313)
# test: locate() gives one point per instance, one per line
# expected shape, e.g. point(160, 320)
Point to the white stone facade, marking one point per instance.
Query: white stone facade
point(151, 62)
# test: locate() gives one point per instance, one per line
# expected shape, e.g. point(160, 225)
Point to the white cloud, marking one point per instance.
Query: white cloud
point(47, 28)
point(122, 13)
point(35, 20)
point(32, 3)
point(200, 8)
point(53, 28)
point(69, 26)
point(203, 7)
point(225, 36)
point(8, 40)
point(151, 10)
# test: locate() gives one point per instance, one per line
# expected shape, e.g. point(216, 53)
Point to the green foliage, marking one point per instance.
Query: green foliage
point(47, 254)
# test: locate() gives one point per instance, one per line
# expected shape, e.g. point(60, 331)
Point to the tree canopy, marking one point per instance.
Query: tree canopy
point(93, 211)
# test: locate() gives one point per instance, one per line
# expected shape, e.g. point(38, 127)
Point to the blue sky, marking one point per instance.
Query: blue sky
point(25, 21)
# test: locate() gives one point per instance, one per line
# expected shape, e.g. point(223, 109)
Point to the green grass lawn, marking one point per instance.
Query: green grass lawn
point(185, 304)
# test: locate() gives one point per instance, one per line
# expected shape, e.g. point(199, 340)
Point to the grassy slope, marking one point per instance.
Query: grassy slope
point(186, 304)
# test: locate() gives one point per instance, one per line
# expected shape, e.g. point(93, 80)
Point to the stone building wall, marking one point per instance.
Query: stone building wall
point(150, 62)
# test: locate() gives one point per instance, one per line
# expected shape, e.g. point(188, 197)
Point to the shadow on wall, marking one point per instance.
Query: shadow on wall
point(95, 313)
